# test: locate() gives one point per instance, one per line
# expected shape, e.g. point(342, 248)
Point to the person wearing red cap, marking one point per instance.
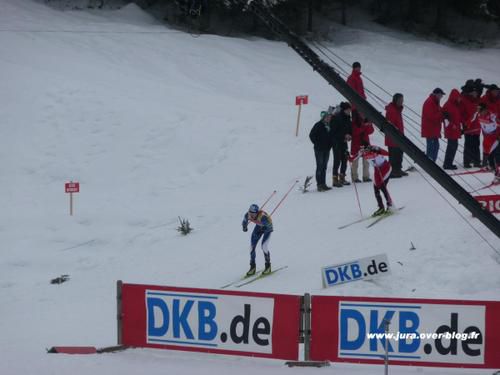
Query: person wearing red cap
point(432, 119)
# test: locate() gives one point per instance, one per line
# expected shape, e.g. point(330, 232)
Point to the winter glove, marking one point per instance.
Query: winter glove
point(446, 115)
point(245, 228)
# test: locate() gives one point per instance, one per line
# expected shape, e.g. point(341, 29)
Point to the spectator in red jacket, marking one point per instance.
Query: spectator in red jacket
point(471, 130)
point(490, 127)
point(394, 114)
point(358, 121)
point(432, 119)
point(355, 81)
point(360, 138)
point(492, 99)
point(452, 113)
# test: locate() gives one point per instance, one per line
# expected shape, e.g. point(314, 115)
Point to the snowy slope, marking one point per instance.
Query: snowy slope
point(156, 124)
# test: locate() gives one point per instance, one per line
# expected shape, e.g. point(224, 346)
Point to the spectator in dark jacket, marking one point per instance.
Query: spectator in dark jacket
point(321, 138)
point(394, 114)
point(341, 134)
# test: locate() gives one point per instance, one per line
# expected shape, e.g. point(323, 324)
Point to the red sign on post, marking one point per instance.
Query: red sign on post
point(71, 187)
point(301, 99)
point(490, 202)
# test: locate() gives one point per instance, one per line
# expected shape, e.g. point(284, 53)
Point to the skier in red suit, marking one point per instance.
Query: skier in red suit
point(381, 175)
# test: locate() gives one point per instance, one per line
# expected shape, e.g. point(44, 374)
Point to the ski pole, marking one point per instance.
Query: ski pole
point(268, 199)
point(357, 198)
point(356, 189)
point(282, 199)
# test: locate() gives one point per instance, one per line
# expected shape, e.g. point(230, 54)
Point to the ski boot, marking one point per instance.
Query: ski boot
point(379, 212)
point(336, 182)
point(324, 187)
point(343, 180)
point(267, 269)
point(251, 271)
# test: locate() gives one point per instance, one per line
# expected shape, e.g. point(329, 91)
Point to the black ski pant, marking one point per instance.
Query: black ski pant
point(471, 150)
point(340, 153)
point(384, 191)
point(322, 157)
point(396, 159)
point(451, 151)
point(493, 159)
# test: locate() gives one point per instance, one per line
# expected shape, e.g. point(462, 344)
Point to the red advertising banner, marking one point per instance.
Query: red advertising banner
point(441, 333)
point(301, 99)
point(490, 202)
point(214, 321)
point(72, 187)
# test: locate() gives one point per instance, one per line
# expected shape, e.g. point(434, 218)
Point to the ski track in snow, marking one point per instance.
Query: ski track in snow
point(156, 126)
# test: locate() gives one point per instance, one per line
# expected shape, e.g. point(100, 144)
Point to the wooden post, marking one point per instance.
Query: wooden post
point(298, 120)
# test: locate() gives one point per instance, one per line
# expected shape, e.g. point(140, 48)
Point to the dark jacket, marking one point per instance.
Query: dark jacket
point(320, 136)
point(341, 126)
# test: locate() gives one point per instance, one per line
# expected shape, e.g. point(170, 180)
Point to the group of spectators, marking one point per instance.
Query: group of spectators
point(468, 112)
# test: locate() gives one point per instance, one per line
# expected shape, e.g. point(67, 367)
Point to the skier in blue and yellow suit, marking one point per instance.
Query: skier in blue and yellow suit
point(263, 228)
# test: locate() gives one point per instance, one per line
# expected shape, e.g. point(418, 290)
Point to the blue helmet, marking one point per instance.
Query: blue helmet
point(253, 209)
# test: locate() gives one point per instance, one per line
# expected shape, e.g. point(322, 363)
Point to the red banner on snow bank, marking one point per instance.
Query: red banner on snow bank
point(490, 202)
point(340, 328)
point(205, 320)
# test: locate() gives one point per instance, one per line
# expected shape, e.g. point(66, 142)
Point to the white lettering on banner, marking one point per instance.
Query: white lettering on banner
point(362, 269)
point(357, 319)
point(225, 322)
point(490, 202)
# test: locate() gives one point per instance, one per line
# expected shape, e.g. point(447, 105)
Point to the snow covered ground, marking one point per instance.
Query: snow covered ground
point(157, 124)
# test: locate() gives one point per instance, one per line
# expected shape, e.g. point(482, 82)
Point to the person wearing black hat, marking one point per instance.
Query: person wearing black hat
point(471, 129)
point(394, 114)
point(432, 120)
point(321, 138)
point(341, 134)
